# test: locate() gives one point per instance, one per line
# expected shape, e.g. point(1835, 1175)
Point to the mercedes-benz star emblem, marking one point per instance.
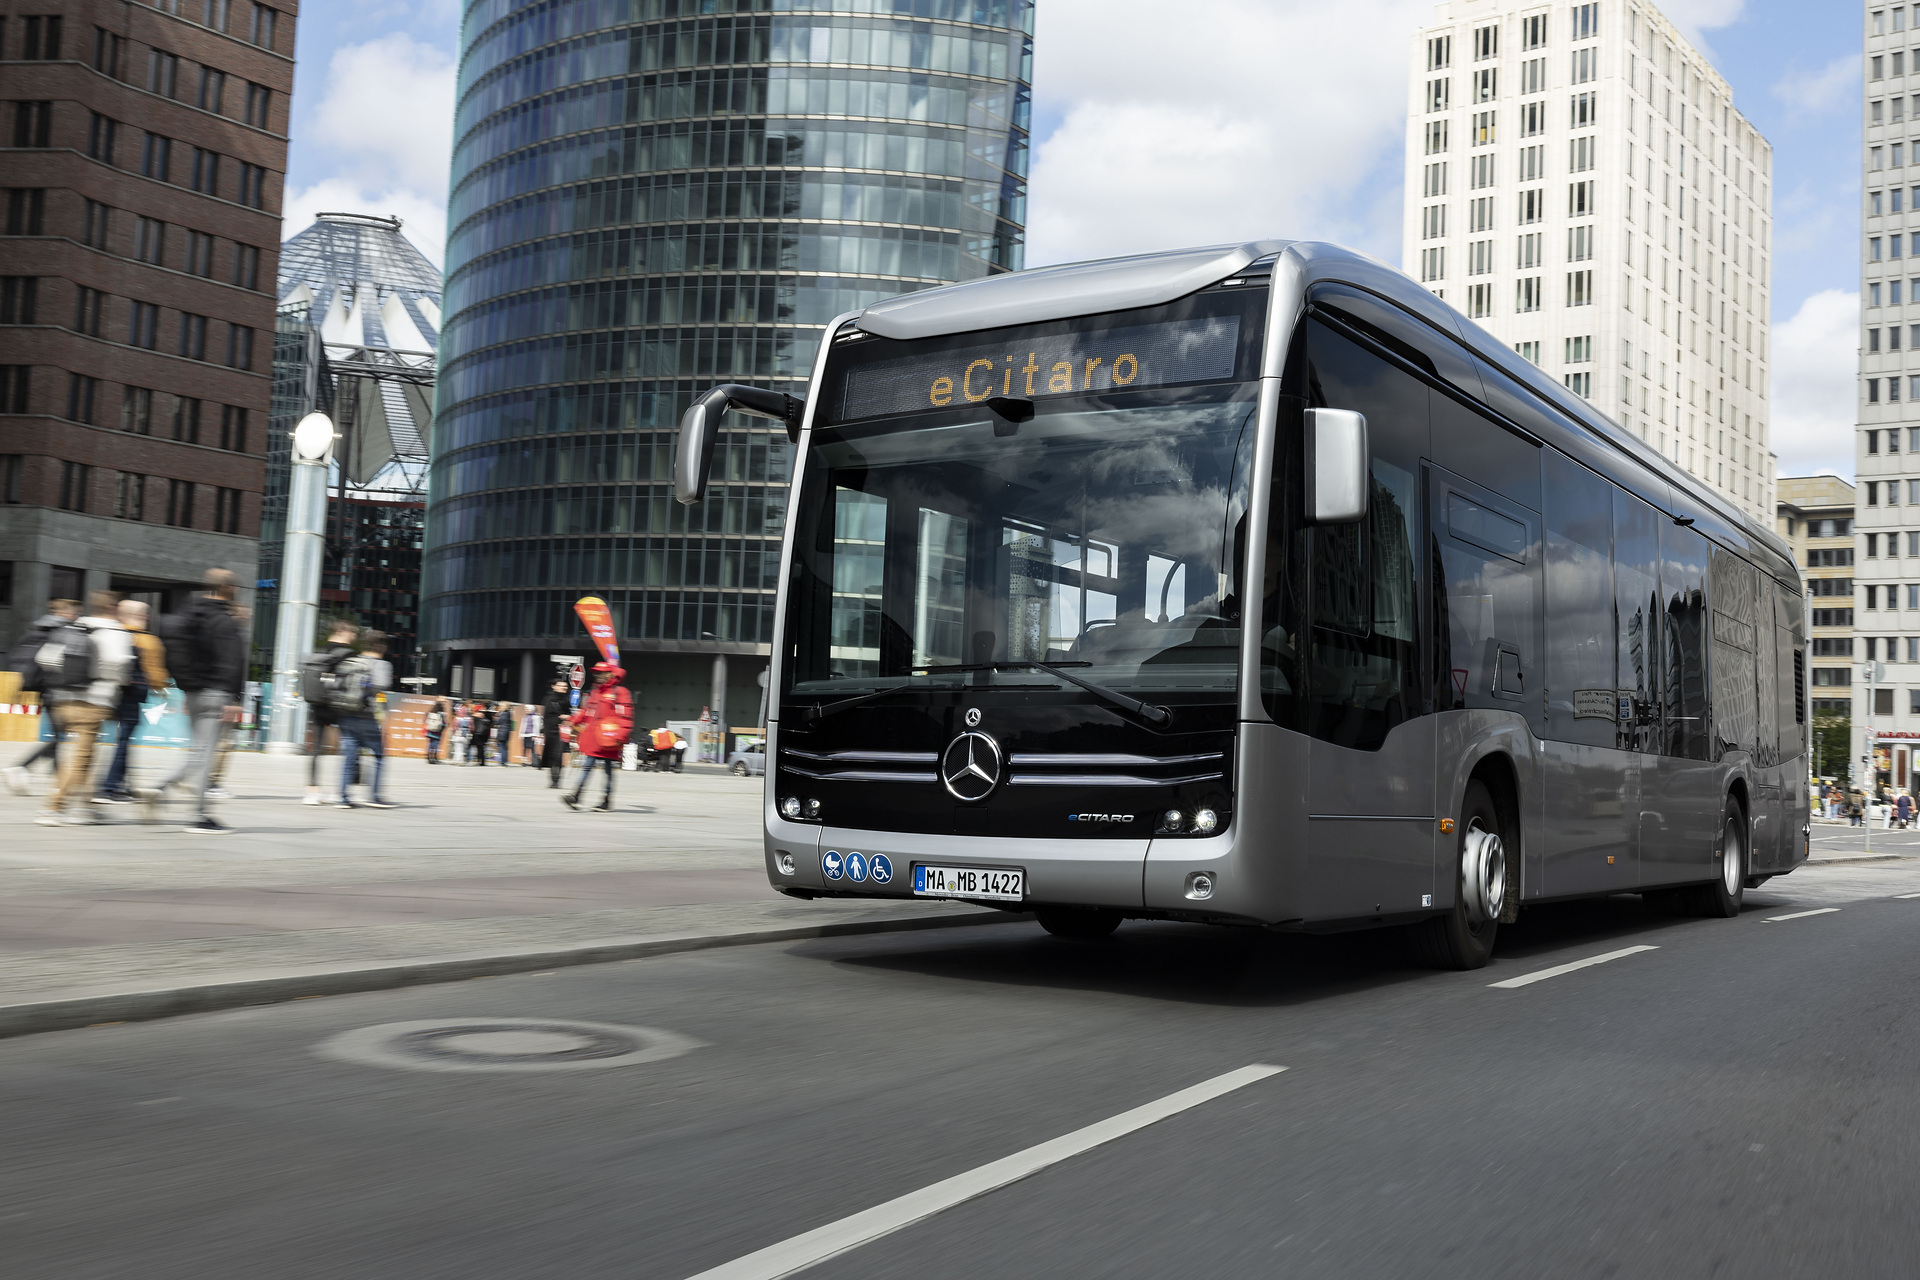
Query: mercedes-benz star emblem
point(973, 717)
point(970, 767)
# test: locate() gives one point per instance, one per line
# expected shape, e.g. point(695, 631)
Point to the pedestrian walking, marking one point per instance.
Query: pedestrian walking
point(503, 732)
point(480, 736)
point(147, 676)
point(318, 683)
point(435, 723)
point(530, 722)
point(601, 727)
point(84, 664)
point(24, 659)
point(207, 657)
point(365, 676)
point(553, 747)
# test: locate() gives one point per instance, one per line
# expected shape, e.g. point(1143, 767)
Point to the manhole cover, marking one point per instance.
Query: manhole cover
point(503, 1044)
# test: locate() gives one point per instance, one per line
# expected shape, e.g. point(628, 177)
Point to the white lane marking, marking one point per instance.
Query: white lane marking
point(816, 1246)
point(1543, 974)
point(1907, 895)
point(1801, 915)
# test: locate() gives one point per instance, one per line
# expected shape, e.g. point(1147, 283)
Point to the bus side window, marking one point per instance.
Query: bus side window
point(1683, 589)
point(1581, 704)
point(1637, 613)
point(1733, 591)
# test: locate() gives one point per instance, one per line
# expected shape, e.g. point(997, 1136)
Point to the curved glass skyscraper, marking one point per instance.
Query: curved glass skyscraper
point(650, 196)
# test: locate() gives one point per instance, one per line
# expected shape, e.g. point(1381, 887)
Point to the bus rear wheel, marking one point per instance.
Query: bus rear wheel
point(1721, 897)
point(1086, 923)
point(1462, 937)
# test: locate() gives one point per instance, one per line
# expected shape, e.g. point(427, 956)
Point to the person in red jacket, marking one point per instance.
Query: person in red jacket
point(601, 728)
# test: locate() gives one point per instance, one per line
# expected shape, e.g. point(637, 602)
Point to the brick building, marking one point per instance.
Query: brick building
point(146, 147)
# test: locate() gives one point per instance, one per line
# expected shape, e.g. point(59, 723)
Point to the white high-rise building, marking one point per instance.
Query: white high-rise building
point(1886, 588)
point(1580, 182)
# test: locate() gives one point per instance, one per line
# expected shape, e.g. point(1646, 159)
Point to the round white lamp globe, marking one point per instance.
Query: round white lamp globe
point(313, 436)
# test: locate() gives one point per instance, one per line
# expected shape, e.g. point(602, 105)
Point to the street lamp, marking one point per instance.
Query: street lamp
point(313, 441)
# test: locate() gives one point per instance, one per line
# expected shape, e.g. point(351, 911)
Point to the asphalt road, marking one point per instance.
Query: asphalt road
point(1741, 1100)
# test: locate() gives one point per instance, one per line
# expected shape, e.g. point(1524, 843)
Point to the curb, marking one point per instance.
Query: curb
point(1869, 857)
point(169, 1002)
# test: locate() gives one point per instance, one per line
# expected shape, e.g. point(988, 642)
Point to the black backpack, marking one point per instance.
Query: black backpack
point(24, 658)
point(67, 659)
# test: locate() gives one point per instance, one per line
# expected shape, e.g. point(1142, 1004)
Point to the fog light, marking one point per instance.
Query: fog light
point(785, 863)
point(1200, 885)
point(1172, 820)
point(790, 808)
point(1205, 821)
point(813, 808)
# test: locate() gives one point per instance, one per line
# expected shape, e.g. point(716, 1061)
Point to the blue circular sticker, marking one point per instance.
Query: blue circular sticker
point(856, 868)
point(880, 870)
point(830, 863)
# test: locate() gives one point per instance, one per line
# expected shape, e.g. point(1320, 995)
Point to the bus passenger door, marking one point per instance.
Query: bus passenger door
point(1637, 644)
point(1684, 790)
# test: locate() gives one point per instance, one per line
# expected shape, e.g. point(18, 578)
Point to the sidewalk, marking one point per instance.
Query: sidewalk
point(480, 871)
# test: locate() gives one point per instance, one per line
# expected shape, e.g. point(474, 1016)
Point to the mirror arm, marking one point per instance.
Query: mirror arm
point(700, 430)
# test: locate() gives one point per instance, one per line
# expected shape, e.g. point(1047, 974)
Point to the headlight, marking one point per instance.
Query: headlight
point(813, 808)
point(1205, 821)
point(1172, 820)
point(790, 808)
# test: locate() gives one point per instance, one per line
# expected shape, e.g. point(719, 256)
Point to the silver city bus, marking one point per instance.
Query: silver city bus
point(1254, 585)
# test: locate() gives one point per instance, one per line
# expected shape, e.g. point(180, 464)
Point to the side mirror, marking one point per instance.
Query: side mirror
point(700, 430)
point(1337, 476)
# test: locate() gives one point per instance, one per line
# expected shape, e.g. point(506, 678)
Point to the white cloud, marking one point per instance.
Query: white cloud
point(1815, 356)
point(1245, 119)
point(1832, 86)
point(385, 119)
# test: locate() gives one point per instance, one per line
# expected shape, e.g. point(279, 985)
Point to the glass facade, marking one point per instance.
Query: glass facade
point(652, 196)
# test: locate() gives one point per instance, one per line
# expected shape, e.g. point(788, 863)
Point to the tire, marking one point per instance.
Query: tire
point(1720, 898)
point(1088, 924)
point(740, 768)
point(1462, 937)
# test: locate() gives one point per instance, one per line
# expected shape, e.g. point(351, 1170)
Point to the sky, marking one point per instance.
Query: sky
point(1243, 119)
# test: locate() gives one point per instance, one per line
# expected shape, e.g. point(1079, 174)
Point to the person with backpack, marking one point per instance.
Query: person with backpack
point(364, 677)
point(554, 710)
point(84, 665)
point(207, 657)
point(435, 724)
point(479, 734)
point(24, 659)
point(503, 733)
point(148, 676)
point(601, 728)
point(319, 683)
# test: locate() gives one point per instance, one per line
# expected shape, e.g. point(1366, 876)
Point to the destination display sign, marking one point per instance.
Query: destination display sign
point(1096, 360)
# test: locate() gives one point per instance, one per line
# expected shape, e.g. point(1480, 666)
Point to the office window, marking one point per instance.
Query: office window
point(217, 13)
point(156, 158)
point(80, 392)
point(1875, 110)
point(1433, 179)
point(10, 468)
point(19, 299)
point(163, 73)
point(263, 24)
point(199, 257)
point(180, 503)
point(40, 40)
point(226, 510)
point(1580, 288)
point(233, 428)
point(1581, 202)
point(1533, 119)
point(253, 186)
point(206, 171)
point(1480, 258)
point(1533, 31)
point(90, 306)
point(1581, 152)
point(1532, 251)
point(1579, 350)
point(101, 132)
point(1580, 243)
point(239, 346)
point(143, 323)
point(1484, 132)
point(74, 480)
point(136, 410)
point(149, 239)
point(1873, 442)
point(1873, 295)
point(1528, 351)
point(1486, 84)
point(106, 52)
point(130, 496)
point(33, 124)
point(1433, 264)
point(1873, 248)
point(1480, 301)
point(1581, 384)
point(1877, 68)
point(27, 211)
point(1533, 205)
point(1586, 21)
point(1481, 173)
point(1873, 340)
point(1436, 135)
point(213, 89)
point(1873, 204)
point(1486, 43)
point(1528, 296)
point(1533, 76)
point(1439, 53)
point(15, 381)
point(1586, 65)
point(1875, 159)
point(1586, 109)
point(246, 266)
point(1439, 95)
point(259, 105)
point(1433, 222)
point(1480, 214)
point(193, 336)
point(186, 420)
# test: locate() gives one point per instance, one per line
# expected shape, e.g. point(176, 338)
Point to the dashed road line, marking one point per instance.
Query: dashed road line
point(1801, 915)
point(1907, 895)
point(816, 1246)
point(1541, 975)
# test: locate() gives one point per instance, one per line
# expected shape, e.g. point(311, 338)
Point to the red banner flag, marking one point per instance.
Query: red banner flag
point(598, 619)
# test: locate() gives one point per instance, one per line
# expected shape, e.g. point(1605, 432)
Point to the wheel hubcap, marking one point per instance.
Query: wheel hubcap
point(1730, 859)
point(1483, 874)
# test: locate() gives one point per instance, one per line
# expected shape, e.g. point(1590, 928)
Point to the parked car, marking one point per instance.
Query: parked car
point(750, 760)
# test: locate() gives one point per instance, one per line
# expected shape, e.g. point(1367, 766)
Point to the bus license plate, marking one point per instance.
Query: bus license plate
point(970, 882)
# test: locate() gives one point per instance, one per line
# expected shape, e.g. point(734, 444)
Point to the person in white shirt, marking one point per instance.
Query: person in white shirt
point(98, 663)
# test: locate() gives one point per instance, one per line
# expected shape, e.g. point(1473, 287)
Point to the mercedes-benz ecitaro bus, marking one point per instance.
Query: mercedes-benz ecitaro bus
point(1254, 585)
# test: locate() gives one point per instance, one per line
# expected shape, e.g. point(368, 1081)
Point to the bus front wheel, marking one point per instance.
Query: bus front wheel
point(1462, 937)
point(1086, 923)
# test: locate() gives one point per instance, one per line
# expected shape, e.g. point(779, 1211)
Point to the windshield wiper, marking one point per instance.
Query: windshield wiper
point(821, 710)
point(1153, 715)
